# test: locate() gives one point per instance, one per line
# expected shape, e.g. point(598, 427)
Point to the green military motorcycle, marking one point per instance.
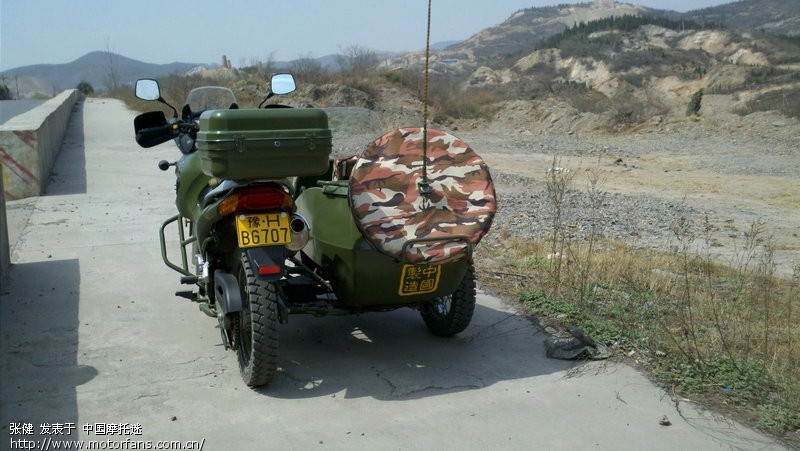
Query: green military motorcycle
point(270, 225)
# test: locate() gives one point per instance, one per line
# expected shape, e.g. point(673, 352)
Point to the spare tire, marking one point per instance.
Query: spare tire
point(390, 211)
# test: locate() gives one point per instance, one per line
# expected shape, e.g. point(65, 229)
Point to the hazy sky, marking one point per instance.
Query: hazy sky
point(201, 31)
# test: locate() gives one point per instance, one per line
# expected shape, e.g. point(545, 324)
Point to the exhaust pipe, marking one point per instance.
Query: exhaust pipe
point(299, 229)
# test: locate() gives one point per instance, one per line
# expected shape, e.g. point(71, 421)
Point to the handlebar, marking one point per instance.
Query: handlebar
point(153, 136)
point(155, 132)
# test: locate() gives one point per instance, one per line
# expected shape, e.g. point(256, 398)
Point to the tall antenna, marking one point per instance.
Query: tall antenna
point(423, 185)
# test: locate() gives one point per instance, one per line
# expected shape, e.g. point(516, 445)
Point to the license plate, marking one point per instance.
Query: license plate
point(419, 279)
point(263, 230)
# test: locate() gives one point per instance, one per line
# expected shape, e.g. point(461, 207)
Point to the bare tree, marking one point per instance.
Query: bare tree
point(112, 76)
point(356, 60)
point(308, 69)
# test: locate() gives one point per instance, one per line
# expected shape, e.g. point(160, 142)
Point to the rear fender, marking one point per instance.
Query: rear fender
point(227, 293)
point(268, 263)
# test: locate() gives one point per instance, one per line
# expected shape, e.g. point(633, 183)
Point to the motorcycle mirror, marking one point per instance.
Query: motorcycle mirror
point(147, 89)
point(282, 84)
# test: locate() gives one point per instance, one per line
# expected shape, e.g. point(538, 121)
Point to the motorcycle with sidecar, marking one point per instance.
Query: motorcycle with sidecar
point(269, 225)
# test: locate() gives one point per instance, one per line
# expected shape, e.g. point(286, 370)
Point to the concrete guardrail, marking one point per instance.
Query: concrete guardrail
point(29, 144)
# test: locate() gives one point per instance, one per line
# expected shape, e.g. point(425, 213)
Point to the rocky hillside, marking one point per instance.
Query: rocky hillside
point(621, 65)
point(526, 28)
point(655, 66)
point(771, 16)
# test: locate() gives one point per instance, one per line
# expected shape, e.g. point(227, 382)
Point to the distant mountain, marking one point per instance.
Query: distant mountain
point(443, 45)
point(771, 16)
point(94, 68)
point(526, 28)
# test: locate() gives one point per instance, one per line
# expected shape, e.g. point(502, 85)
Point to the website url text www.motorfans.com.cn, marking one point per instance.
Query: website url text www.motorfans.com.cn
point(48, 443)
point(104, 436)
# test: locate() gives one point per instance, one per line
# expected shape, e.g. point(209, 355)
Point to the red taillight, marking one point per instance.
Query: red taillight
point(255, 198)
point(261, 199)
point(269, 270)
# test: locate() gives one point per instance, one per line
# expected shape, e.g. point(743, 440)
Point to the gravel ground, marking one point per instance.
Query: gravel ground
point(525, 209)
point(731, 171)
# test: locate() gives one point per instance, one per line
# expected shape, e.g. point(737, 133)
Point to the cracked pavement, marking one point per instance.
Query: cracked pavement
point(91, 333)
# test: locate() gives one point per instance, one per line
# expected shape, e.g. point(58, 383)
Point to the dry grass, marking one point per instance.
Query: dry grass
point(725, 334)
point(783, 100)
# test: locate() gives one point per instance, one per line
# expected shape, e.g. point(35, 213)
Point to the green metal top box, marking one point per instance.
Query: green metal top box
point(251, 144)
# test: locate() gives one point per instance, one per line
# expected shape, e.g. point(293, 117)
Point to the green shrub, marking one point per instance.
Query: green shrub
point(695, 103)
point(85, 88)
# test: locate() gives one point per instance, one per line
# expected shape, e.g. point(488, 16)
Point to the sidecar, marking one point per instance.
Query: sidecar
point(381, 238)
point(362, 277)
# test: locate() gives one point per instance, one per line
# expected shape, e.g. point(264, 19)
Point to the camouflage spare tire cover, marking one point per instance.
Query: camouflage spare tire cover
point(389, 210)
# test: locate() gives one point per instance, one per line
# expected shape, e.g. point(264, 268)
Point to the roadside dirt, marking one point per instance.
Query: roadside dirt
point(733, 174)
point(735, 171)
point(732, 202)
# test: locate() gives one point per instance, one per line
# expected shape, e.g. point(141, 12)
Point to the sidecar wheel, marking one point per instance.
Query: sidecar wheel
point(256, 328)
point(449, 315)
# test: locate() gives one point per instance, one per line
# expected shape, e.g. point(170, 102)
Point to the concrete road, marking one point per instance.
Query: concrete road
point(92, 338)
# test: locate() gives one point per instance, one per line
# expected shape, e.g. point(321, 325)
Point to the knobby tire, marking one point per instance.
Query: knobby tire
point(460, 311)
point(258, 329)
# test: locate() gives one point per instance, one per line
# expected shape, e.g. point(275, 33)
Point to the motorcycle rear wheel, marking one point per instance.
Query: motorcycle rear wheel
point(451, 314)
point(256, 330)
